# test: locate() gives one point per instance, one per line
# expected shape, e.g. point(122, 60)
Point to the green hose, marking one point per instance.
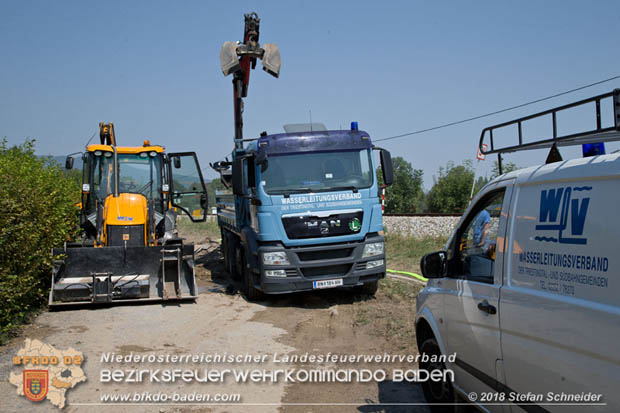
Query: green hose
point(411, 274)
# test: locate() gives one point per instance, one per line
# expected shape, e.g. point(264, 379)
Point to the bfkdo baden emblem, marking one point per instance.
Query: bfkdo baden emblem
point(35, 384)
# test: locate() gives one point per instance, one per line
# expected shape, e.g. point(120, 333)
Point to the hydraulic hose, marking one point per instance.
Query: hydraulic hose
point(411, 274)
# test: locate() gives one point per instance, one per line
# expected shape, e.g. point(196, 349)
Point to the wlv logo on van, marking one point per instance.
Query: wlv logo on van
point(572, 214)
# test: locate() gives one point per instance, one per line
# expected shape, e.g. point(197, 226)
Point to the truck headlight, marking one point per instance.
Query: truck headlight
point(275, 273)
point(372, 249)
point(374, 264)
point(275, 258)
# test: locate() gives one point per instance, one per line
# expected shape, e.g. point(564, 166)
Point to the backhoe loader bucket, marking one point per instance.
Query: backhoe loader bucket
point(94, 275)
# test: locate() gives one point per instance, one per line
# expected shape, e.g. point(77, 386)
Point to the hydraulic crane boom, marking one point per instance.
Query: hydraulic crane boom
point(239, 58)
point(106, 134)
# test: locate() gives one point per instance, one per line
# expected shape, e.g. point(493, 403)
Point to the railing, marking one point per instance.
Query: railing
point(599, 134)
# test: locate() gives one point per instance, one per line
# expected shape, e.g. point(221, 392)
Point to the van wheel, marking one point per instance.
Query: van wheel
point(250, 292)
point(368, 288)
point(435, 392)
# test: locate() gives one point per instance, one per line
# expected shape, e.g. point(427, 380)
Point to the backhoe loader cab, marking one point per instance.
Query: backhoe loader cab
point(130, 249)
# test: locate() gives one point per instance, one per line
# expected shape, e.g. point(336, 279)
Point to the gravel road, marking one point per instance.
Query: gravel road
point(222, 321)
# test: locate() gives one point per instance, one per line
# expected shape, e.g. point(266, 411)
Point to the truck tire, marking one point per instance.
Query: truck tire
point(250, 292)
point(435, 392)
point(238, 262)
point(368, 288)
point(224, 249)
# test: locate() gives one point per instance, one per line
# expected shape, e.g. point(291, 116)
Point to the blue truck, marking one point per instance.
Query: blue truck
point(304, 212)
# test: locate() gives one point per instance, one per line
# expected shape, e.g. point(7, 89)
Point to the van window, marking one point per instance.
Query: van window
point(476, 243)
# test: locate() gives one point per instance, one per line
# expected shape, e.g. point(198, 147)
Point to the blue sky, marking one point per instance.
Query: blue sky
point(152, 68)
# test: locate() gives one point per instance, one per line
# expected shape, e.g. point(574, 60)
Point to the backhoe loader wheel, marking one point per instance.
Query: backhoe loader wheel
point(250, 292)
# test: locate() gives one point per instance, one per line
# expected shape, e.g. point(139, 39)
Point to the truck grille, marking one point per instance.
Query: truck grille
point(324, 255)
point(314, 226)
point(327, 271)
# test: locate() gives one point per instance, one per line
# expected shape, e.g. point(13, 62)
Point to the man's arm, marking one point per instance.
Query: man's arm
point(485, 232)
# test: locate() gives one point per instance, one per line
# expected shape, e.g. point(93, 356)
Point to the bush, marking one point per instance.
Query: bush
point(37, 213)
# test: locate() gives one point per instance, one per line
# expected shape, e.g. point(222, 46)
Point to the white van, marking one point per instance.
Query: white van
point(527, 291)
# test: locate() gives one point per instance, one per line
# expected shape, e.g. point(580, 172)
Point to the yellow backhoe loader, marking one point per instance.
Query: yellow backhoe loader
point(130, 250)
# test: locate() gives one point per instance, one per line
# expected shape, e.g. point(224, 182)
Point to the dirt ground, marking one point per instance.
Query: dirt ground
point(222, 321)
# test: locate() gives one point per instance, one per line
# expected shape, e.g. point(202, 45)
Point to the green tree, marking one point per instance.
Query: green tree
point(215, 185)
point(481, 181)
point(506, 167)
point(405, 195)
point(37, 213)
point(452, 188)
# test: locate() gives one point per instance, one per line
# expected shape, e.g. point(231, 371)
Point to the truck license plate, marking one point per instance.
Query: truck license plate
point(327, 283)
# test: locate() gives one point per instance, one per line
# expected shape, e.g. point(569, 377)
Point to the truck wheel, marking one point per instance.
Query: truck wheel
point(224, 249)
point(435, 392)
point(368, 288)
point(238, 264)
point(250, 292)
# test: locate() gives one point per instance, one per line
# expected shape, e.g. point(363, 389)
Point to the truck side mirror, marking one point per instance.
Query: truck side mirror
point(433, 265)
point(177, 162)
point(251, 163)
point(237, 177)
point(261, 160)
point(204, 202)
point(69, 162)
point(386, 167)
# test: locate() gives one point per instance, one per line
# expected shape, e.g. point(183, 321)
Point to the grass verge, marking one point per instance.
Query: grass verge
point(404, 254)
point(198, 230)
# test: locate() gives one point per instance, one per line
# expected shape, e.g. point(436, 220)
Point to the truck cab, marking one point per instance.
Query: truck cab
point(304, 213)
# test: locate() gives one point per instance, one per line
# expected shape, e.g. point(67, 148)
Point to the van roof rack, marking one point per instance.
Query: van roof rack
point(599, 134)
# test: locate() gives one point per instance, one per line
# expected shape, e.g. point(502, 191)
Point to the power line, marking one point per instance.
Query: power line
point(445, 125)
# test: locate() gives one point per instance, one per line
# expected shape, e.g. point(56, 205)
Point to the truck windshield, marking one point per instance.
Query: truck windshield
point(138, 173)
point(317, 172)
